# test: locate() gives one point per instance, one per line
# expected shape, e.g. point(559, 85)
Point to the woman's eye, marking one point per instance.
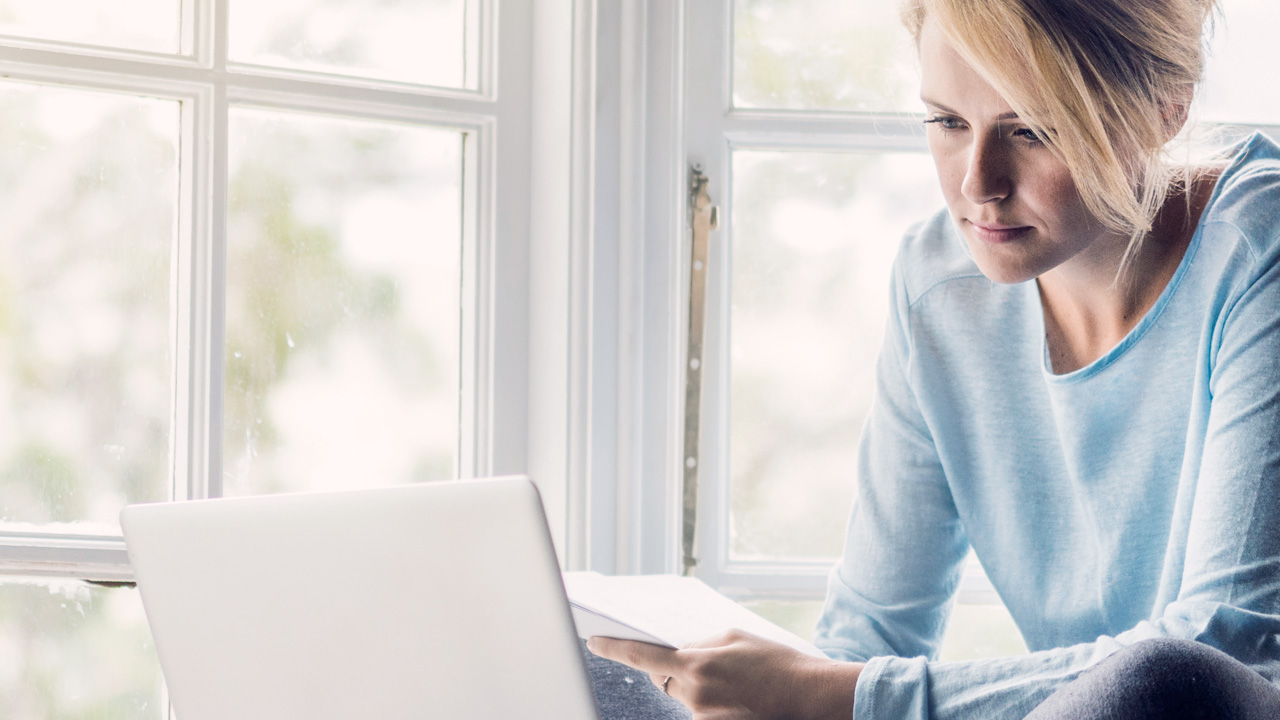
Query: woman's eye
point(1031, 136)
point(944, 122)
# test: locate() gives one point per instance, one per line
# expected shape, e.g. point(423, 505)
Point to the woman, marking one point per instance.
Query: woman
point(1080, 381)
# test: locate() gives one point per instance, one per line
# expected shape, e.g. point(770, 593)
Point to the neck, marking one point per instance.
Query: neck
point(1089, 305)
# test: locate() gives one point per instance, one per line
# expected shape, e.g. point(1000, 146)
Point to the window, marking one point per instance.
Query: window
point(245, 248)
point(804, 118)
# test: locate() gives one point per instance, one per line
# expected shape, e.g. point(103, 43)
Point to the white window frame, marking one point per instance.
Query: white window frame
point(615, 441)
point(495, 119)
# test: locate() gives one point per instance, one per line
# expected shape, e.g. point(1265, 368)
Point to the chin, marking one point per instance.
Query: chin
point(1004, 273)
point(1006, 264)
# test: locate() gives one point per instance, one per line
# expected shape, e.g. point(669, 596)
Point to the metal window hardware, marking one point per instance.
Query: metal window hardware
point(703, 219)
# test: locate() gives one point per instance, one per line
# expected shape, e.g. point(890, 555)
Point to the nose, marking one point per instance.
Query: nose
point(986, 178)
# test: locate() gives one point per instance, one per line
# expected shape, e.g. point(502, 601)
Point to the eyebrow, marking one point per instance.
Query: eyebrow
point(944, 108)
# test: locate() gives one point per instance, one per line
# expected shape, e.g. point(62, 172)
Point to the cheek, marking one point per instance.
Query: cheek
point(1059, 193)
point(950, 174)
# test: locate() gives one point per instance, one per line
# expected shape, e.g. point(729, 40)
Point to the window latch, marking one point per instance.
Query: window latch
point(703, 219)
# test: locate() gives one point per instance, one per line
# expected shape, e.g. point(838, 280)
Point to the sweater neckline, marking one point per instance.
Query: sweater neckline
point(1156, 310)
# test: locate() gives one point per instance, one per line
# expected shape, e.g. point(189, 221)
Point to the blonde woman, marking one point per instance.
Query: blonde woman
point(1080, 382)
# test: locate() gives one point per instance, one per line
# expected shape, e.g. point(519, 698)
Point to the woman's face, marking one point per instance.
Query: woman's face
point(1012, 198)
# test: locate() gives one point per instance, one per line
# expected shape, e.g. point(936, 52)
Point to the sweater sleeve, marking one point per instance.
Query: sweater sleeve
point(891, 593)
point(1229, 597)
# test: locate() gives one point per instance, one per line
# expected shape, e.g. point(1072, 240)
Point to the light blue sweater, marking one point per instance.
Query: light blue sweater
point(1134, 498)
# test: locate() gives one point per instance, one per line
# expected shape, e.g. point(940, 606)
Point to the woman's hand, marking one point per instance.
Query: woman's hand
point(736, 675)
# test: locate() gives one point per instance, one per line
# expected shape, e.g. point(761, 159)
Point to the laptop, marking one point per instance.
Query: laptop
point(439, 600)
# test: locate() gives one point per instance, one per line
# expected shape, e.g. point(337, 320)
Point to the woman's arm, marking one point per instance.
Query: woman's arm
point(892, 590)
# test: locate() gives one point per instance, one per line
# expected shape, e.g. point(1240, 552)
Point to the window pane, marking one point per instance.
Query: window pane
point(814, 236)
point(415, 41)
point(88, 207)
point(73, 650)
point(150, 25)
point(1235, 88)
point(798, 616)
point(822, 55)
point(981, 631)
point(343, 319)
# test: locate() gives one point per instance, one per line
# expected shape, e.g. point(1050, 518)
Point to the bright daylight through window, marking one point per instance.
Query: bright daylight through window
point(89, 205)
point(234, 248)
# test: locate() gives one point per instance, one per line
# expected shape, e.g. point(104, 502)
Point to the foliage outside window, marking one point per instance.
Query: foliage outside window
point(335, 335)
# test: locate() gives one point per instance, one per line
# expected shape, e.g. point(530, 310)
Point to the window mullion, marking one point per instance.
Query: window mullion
point(190, 302)
point(207, 302)
point(649, 494)
point(102, 559)
point(816, 131)
point(195, 37)
point(502, 282)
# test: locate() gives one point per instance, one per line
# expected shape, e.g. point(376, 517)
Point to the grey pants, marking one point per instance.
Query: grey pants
point(626, 694)
point(1165, 680)
point(1150, 680)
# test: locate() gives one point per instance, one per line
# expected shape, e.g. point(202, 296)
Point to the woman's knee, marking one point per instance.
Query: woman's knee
point(1165, 678)
point(1166, 662)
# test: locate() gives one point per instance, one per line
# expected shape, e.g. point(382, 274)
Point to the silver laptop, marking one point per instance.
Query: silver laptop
point(427, 601)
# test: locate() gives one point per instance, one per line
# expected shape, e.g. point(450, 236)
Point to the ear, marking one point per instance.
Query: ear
point(1174, 112)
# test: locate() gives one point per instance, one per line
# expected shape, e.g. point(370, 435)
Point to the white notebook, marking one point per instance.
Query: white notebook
point(668, 610)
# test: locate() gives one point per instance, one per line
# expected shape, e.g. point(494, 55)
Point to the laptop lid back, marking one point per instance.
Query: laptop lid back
point(439, 600)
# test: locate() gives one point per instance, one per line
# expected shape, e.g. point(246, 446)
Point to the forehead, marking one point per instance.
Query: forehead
point(947, 78)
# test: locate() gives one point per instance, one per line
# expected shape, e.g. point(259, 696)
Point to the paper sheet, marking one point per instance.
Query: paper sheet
point(668, 610)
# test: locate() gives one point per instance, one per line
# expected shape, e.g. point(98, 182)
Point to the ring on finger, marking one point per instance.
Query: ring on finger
point(665, 682)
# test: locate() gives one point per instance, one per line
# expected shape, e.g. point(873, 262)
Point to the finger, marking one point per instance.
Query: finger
point(653, 659)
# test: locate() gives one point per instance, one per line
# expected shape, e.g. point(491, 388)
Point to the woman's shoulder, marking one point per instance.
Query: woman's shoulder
point(1248, 195)
point(933, 254)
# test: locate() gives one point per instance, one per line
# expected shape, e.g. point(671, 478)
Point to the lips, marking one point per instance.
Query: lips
point(997, 233)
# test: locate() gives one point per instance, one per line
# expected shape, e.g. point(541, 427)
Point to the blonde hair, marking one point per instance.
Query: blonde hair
point(1107, 83)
